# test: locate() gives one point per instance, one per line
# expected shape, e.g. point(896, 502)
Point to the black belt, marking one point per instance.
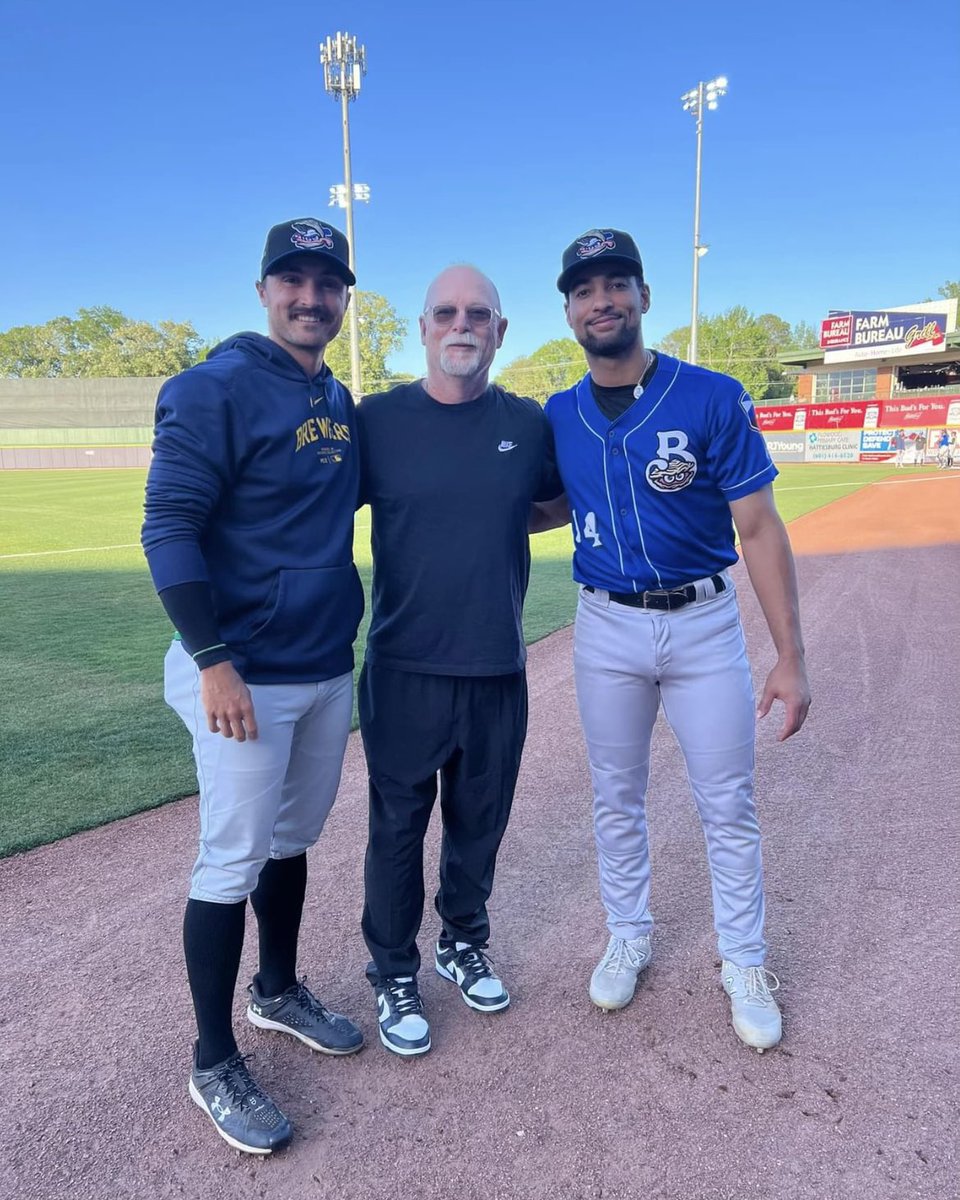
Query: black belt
point(665, 600)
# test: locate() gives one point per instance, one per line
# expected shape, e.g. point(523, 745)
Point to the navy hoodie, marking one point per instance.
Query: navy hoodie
point(252, 488)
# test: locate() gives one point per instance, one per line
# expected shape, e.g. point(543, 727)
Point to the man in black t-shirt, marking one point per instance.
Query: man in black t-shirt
point(450, 466)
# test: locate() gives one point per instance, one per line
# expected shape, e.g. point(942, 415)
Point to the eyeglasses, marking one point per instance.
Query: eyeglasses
point(478, 315)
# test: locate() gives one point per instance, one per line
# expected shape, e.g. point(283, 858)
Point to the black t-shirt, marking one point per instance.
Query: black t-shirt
point(613, 402)
point(450, 487)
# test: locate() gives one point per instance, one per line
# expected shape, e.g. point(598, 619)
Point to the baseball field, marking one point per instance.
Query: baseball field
point(551, 1099)
point(86, 737)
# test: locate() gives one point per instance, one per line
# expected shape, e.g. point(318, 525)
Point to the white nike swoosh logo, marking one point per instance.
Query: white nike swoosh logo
point(507, 446)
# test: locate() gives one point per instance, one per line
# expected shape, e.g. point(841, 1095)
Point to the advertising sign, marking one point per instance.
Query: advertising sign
point(772, 417)
point(836, 330)
point(883, 333)
point(901, 413)
point(839, 445)
point(875, 445)
point(851, 415)
point(785, 447)
point(919, 414)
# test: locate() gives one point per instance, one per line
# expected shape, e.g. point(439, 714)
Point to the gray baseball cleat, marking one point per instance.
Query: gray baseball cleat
point(615, 979)
point(755, 1013)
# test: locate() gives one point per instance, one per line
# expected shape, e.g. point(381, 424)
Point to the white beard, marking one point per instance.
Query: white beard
point(460, 364)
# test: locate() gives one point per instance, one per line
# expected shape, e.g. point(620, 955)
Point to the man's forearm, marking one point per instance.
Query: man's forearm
point(548, 514)
point(769, 562)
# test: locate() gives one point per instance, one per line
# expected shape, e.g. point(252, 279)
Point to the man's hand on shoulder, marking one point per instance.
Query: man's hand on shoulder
point(227, 702)
point(548, 514)
point(788, 683)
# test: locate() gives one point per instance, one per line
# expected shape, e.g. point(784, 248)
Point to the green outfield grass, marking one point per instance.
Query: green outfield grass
point(85, 735)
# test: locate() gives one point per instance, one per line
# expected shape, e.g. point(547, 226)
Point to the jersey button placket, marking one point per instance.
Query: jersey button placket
point(618, 474)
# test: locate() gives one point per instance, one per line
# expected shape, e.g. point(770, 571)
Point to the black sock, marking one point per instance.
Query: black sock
point(278, 903)
point(212, 942)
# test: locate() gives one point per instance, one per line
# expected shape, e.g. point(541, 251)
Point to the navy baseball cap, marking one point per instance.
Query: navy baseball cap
point(307, 235)
point(600, 245)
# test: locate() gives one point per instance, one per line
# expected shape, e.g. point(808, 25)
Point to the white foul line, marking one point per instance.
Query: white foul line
point(819, 487)
point(72, 550)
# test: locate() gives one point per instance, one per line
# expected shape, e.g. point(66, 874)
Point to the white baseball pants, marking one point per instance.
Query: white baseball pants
point(267, 798)
point(693, 660)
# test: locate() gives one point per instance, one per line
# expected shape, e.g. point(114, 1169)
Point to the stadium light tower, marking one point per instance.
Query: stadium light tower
point(704, 95)
point(344, 64)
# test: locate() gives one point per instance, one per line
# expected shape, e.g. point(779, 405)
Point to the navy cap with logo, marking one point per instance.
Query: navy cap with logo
point(307, 235)
point(600, 246)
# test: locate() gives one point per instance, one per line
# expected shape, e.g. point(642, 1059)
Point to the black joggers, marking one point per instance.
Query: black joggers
point(471, 731)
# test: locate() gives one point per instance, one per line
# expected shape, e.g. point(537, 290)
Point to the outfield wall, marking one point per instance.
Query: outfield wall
point(857, 431)
point(66, 424)
point(71, 458)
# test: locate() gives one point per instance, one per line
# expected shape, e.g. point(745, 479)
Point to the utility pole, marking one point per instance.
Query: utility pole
point(704, 94)
point(344, 64)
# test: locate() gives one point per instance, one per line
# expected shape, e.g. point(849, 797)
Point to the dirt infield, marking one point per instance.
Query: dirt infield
point(916, 510)
point(553, 1098)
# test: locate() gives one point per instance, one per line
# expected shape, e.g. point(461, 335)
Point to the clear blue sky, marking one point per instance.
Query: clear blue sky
point(146, 149)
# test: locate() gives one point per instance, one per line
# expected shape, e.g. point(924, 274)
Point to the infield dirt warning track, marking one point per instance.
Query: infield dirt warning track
point(553, 1098)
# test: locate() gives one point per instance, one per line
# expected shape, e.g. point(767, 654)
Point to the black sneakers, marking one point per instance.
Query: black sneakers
point(467, 966)
point(297, 1011)
point(403, 1026)
point(243, 1115)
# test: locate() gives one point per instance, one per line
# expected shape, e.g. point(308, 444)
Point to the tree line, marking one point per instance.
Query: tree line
point(102, 342)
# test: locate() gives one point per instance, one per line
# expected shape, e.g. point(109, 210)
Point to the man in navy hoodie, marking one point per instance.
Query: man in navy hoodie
point(249, 536)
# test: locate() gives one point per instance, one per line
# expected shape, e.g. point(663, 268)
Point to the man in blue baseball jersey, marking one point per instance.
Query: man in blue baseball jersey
point(656, 457)
point(249, 537)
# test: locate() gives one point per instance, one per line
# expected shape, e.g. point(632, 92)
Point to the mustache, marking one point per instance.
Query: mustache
point(320, 313)
point(460, 339)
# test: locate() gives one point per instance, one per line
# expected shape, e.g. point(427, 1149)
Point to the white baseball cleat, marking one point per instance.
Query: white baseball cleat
point(615, 979)
point(755, 1013)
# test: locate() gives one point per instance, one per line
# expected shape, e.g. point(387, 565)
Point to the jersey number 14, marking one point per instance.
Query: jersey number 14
point(590, 531)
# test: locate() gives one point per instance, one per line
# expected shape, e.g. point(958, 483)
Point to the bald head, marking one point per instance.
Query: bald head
point(462, 329)
point(453, 280)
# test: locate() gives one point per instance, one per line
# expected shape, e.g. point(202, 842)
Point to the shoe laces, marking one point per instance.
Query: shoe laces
point(403, 997)
point(474, 962)
point(243, 1090)
point(620, 955)
point(305, 999)
point(758, 984)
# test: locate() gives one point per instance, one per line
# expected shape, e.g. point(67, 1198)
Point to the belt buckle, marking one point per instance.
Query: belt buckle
point(666, 599)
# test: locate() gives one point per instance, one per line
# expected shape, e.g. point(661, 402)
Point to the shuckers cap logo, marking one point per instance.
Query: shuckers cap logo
point(311, 235)
point(307, 235)
point(595, 242)
point(600, 245)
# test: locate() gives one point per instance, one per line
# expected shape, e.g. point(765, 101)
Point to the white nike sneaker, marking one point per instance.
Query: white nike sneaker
point(615, 979)
point(403, 1025)
point(756, 1015)
point(469, 968)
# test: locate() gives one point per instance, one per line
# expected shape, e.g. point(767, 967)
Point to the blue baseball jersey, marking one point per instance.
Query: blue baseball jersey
point(650, 491)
